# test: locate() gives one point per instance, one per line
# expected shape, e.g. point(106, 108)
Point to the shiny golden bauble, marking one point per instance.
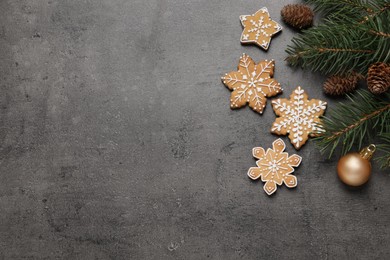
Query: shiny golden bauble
point(354, 169)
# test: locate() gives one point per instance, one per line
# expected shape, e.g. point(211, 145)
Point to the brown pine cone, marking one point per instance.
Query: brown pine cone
point(337, 85)
point(378, 78)
point(299, 16)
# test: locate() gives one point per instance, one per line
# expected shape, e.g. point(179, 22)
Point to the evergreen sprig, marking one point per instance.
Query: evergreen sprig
point(354, 8)
point(354, 34)
point(355, 122)
point(385, 148)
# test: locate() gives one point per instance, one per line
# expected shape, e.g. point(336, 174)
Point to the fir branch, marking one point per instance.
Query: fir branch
point(359, 5)
point(341, 45)
point(380, 11)
point(321, 50)
point(343, 50)
point(353, 7)
point(359, 122)
point(380, 33)
point(352, 123)
point(384, 159)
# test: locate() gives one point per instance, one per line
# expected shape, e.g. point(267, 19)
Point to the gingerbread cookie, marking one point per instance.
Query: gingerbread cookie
point(298, 117)
point(259, 28)
point(274, 167)
point(252, 83)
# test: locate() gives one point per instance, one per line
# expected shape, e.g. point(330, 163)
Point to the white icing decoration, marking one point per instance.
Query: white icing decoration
point(274, 167)
point(294, 118)
point(250, 86)
point(258, 27)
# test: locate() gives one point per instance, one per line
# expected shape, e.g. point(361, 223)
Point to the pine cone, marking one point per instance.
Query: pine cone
point(378, 78)
point(337, 85)
point(299, 16)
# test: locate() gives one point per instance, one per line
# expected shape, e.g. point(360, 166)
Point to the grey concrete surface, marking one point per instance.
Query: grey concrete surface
point(117, 141)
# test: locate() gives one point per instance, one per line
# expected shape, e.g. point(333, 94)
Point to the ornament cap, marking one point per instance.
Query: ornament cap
point(368, 151)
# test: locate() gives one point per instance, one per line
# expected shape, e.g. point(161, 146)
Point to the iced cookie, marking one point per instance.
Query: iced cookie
point(298, 117)
point(259, 28)
point(274, 167)
point(252, 83)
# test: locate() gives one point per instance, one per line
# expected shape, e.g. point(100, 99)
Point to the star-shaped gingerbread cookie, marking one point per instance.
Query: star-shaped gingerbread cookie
point(274, 167)
point(252, 83)
point(299, 117)
point(259, 28)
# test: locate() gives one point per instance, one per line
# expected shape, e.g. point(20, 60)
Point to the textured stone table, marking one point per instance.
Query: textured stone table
point(117, 141)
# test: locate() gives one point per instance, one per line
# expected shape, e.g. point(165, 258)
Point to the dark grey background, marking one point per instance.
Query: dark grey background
point(117, 141)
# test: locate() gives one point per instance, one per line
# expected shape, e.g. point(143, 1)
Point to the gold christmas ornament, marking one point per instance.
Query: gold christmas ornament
point(354, 169)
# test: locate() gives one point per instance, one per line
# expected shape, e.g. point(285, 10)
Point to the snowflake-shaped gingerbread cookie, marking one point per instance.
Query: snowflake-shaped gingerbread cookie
point(299, 117)
point(274, 167)
point(252, 83)
point(259, 28)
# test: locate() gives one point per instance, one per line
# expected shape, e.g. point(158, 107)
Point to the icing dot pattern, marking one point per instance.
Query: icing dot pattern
point(274, 167)
point(252, 83)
